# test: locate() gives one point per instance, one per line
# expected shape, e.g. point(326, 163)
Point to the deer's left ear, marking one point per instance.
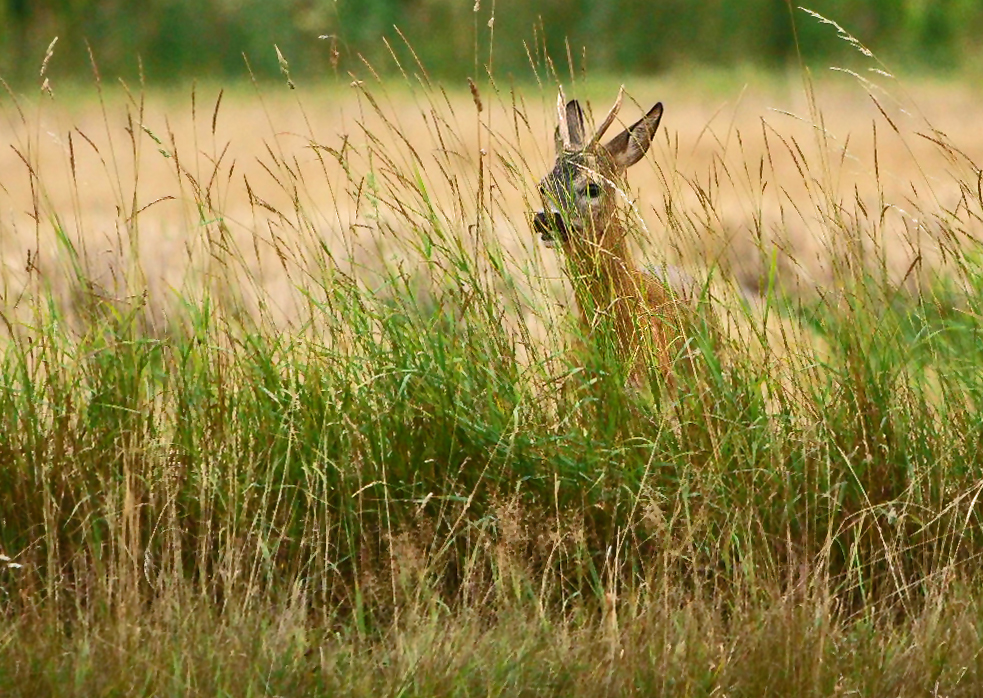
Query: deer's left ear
point(630, 146)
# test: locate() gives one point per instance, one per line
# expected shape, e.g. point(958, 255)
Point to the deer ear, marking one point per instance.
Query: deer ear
point(575, 122)
point(630, 146)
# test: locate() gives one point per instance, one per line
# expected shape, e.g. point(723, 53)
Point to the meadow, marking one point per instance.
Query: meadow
point(292, 401)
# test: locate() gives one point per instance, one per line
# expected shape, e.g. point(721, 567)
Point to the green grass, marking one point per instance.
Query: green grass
point(406, 491)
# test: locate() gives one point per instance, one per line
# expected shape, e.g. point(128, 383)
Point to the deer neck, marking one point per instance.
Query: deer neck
point(606, 282)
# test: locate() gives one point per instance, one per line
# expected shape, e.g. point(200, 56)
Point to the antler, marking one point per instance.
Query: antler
point(609, 119)
point(563, 121)
point(561, 113)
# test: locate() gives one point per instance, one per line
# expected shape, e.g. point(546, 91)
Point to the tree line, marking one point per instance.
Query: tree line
point(177, 39)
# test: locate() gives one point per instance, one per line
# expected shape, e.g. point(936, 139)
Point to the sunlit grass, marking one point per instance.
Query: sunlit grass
point(399, 471)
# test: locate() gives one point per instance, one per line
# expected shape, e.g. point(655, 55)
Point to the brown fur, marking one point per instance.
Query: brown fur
point(580, 209)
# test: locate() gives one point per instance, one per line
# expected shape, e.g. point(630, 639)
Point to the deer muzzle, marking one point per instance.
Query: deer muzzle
point(550, 226)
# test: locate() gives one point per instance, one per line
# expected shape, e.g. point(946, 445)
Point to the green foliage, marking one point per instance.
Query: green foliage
point(183, 38)
point(241, 469)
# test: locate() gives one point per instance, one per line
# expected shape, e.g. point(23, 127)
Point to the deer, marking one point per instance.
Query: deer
point(646, 309)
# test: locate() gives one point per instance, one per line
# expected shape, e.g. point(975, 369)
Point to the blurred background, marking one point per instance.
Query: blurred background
point(180, 39)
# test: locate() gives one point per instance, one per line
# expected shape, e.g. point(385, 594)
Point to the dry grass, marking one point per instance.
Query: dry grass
point(329, 454)
point(723, 187)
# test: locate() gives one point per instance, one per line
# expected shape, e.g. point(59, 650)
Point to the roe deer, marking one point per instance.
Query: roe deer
point(580, 212)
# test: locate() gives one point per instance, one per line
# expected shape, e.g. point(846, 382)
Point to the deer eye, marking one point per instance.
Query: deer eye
point(593, 190)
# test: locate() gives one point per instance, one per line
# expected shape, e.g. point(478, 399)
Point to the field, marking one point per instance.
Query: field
point(292, 400)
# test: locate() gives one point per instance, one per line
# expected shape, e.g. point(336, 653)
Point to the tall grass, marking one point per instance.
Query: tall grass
point(421, 482)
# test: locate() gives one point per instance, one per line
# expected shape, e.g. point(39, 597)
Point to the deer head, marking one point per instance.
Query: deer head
point(579, 194)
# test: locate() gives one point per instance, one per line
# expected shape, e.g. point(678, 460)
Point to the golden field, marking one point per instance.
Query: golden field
point(751, 175)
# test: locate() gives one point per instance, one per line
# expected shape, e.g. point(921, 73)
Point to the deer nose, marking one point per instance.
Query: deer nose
point(547, 224)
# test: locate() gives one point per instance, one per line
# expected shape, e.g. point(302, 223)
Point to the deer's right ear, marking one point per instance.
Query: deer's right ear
point(630, 146)
point(558, 141)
